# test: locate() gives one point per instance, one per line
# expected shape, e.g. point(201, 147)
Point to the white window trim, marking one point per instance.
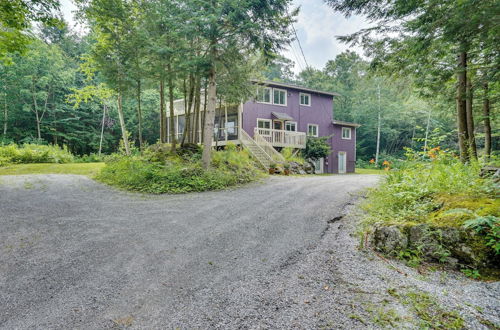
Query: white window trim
point(286, 96)
point(291, 122)
point(271, 95)
point(268, 120)
point(350, 133)
point(300, 99)
point(317, 130)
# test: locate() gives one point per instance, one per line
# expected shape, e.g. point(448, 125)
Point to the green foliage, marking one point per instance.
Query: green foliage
point(288, 154)
point(316, 147)
point(472, 273)
point(489, 227)
point(175, 174)
point(34, 153)
point(411, 194)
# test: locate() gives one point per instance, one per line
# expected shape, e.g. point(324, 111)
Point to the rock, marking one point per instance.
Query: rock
point(389, 240)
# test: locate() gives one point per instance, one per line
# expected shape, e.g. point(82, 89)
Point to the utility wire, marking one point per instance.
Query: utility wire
point(300, 46)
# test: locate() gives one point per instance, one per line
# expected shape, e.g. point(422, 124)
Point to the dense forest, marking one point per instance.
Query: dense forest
point(118, 78)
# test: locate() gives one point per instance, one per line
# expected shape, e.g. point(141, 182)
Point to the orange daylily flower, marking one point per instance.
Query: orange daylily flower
point(372, 161)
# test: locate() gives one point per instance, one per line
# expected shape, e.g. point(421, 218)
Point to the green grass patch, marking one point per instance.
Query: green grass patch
point(370, 171)
point(88, 169)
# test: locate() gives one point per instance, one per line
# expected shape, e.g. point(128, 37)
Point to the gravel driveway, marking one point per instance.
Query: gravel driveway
point(275, 254)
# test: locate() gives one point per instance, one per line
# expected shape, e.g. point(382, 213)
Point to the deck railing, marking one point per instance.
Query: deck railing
point(282, 138)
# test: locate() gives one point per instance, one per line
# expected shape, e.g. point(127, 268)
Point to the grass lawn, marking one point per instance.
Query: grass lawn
point(369, 171)
point(88, 169)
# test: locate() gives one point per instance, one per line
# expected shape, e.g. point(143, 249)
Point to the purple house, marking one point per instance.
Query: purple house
point(283, 115)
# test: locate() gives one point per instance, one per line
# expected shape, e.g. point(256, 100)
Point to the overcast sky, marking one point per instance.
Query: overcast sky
point(316, 28)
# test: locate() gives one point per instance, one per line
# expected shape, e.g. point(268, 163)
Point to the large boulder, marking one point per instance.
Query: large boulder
point(389, 240)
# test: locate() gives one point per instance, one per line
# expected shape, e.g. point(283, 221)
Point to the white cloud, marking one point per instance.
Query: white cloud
point(317, 28)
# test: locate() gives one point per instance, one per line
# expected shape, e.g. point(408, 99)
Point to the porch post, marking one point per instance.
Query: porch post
point(240, 119)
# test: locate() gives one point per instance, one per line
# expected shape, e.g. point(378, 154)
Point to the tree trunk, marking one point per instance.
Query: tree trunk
point(470, 120)
point(171, 103)
point(139, 115)
point(461, 106)
point(102, 128)
point(5, 116)
point(205, 98)
point(208, 129)
point(122, 125)
point(379, 124)
point(197, 99)
point(487, 123)
point(162, 112)
point(189, 96)
point(427, 130)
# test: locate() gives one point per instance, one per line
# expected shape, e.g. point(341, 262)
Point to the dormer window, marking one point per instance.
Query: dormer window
point(263, 95)
point(305, 99)
point(279, 96)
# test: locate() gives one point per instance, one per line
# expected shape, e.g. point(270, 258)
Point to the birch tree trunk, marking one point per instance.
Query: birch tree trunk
point(102, 128)
point(122, 125)
point(470, 120)
point(208, 129)
point(461, 107)
point(377, 151)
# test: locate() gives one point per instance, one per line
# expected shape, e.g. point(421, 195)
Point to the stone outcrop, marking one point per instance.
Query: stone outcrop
point(450, 245)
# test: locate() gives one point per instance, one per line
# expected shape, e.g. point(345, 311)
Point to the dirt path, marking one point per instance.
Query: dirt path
point(279, 254)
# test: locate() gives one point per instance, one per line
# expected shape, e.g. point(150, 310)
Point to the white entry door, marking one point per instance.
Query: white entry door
point(342, 161)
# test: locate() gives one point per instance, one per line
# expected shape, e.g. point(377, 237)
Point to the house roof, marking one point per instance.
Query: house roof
point(282, 116)
point(345, 123)
point(280, 84)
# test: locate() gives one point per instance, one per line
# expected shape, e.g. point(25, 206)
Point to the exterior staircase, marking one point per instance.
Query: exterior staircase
point(262, 150)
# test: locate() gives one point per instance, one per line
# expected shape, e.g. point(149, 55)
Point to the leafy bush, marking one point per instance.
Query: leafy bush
point(178, 174)
point(34, 153)
point(316, 148)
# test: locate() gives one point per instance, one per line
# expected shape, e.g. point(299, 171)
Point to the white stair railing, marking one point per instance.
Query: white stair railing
point(250, 143)
point(268, 148)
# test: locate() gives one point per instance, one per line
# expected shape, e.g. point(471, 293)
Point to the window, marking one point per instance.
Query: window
point(279, 96)
point(291, 126)
point(305, 99)
point(312, 130)
point(346, 133)
point(264, 123)
point(263, 95)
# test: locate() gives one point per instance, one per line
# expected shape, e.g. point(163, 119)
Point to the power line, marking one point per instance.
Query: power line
point(300, 46)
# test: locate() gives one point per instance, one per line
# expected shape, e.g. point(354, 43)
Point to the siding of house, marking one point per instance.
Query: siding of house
point(319, 113)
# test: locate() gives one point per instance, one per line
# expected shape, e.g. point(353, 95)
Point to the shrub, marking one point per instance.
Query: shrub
point(35, 153)
point(290, 157)
point(316, 148)
point(176, 174)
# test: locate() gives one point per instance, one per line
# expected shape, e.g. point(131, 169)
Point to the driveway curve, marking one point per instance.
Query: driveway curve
point(78, 254)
